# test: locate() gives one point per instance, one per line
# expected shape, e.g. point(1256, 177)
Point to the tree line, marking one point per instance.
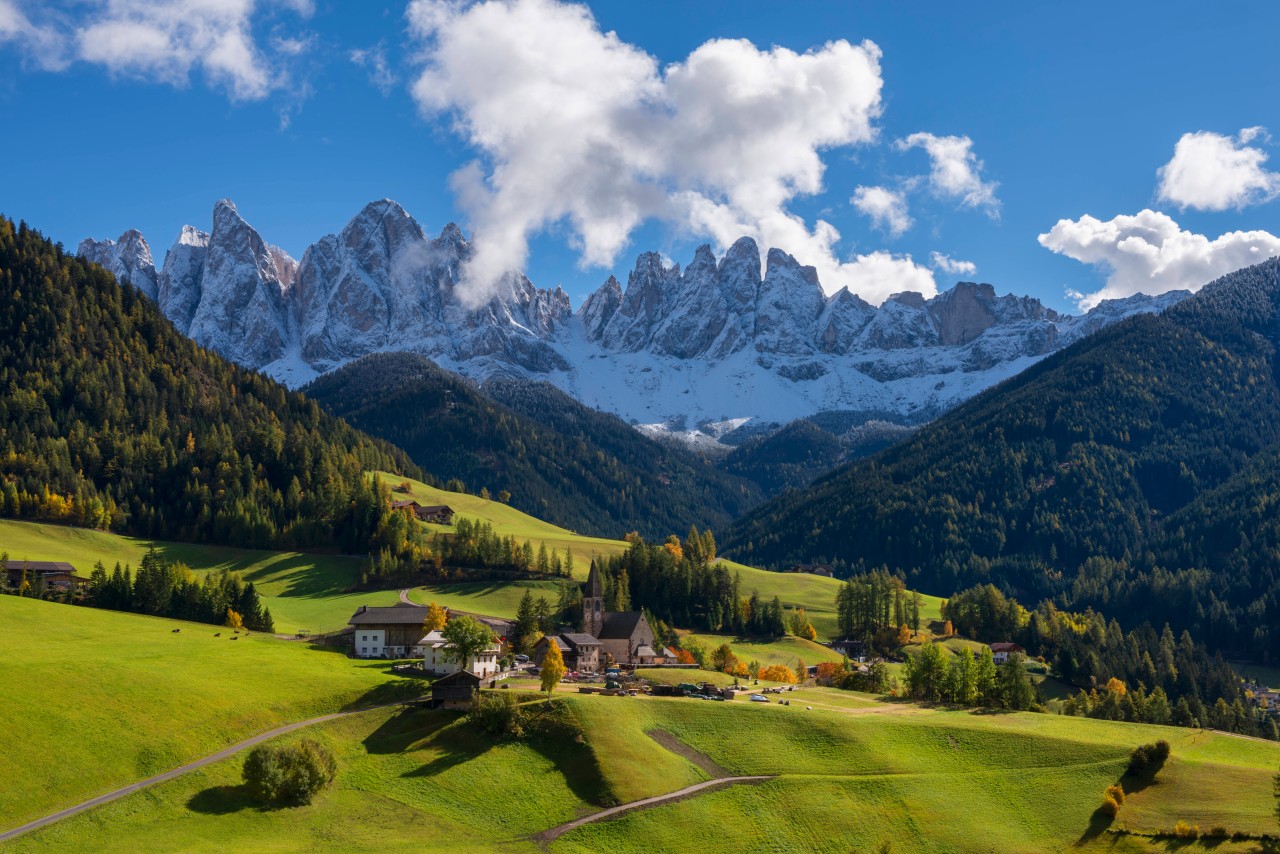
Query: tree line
point(162, 588)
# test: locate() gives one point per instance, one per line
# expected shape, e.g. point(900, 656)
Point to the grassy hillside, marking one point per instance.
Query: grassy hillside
point(305, 592)
point(852, 774)
point(94, 699)
point(508, 521)
point(787, 651)
point(497, 599)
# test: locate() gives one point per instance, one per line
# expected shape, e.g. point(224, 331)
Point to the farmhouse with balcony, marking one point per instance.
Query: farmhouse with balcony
point(393, 632)
point(440, 514)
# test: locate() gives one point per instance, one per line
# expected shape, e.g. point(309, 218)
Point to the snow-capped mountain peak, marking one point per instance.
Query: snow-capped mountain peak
point(719, 341)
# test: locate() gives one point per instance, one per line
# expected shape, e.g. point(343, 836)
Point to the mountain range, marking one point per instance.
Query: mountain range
point(714, 352)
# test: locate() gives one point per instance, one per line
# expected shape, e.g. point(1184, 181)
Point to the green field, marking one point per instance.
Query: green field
point(95, 699)
point(496, 598)
point(787, 651)
point(305, 592)
point(508, 521)
point(849, 778)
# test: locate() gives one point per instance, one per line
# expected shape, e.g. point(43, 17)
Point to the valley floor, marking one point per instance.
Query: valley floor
point(846, 772)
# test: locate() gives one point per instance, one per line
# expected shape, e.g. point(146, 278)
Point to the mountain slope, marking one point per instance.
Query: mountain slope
point(1090, 477)
point(723, 339)
point(109, 417)
point(559, 460)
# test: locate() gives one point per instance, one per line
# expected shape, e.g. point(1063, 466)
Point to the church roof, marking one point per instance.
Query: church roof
point(580, 638)
point(621, 624)
point(595, 587)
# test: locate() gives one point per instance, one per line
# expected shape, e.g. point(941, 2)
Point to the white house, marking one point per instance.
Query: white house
point(436, 657)
point(1000, 652)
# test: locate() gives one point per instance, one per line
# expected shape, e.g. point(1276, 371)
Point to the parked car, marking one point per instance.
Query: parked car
point(522, 658)
point(759, 698)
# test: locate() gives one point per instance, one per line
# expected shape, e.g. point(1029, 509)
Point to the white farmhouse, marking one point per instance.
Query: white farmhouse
point(437, 658)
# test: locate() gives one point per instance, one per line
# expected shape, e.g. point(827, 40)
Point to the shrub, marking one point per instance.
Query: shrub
point(291, 774)
point(1148, 757)
point(1218, 832)
point(1116, 792)
point(777, 673)
point(1110, 807)
point(1182, 830)
point(497, 714)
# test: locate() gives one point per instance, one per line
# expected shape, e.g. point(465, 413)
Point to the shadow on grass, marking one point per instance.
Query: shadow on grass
point(222, 800)
point(408, 727)
point(1099, 823)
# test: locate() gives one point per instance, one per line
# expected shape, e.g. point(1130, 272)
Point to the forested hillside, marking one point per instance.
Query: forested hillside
point(110, 418)
point(1135, 472)
point(558, 459)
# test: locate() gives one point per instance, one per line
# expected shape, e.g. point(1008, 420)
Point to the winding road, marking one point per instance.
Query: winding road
point(179, 771)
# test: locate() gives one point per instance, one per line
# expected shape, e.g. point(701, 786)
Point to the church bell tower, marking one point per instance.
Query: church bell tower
point(593, 603)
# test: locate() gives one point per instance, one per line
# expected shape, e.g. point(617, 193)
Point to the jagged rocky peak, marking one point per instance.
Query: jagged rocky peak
point(598, 309)
point(182, 275)
point(845, 315)
point(789, 302)
point(128, 259)
point(241, 311)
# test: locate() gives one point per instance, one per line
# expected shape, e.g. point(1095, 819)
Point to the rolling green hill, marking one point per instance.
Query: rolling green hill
point(560, 460)
point(851, 775)
point(95, 699)
point(305, 592)
point(1134, 472)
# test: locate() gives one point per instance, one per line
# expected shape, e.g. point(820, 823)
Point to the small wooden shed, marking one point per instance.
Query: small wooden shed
point(455, 691)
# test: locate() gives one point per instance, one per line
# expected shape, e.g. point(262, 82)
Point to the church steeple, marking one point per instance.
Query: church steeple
point(593, 603)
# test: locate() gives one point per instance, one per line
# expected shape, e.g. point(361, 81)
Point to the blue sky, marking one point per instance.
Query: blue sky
point(129, 113)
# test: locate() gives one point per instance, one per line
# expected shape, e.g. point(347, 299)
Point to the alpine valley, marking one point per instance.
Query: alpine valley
point(713, 353)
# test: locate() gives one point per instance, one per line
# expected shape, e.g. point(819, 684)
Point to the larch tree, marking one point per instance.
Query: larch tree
point(553, 668)
point(436, 618)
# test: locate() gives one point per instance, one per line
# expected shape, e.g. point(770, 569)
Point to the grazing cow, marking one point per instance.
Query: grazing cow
point(233, 637)
point(217, 634)
point(175, 631)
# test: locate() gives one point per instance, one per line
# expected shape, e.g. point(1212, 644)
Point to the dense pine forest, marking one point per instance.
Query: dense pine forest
point(1135, 472)
point(110, 418)
point(558, 459)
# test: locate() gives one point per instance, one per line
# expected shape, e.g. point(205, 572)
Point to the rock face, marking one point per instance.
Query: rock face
point(128, 259)
point(717, 342)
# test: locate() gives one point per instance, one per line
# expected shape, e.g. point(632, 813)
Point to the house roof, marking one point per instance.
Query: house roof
point(435, 508)
point(595, 587)
point(41, 566)
point(557, 640)
point(645, 651)
point(620, 624)
point(580, 639)
point(400, 614)
point(457, 679)
point(1005, 647)
point(405, 502)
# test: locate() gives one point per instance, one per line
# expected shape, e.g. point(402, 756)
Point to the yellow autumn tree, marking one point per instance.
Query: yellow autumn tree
point(234, 620)
point(673, 546)
point(1117, 687)
point(553, 668)
point(777, 673)
point(904, 634)
point(436, 618)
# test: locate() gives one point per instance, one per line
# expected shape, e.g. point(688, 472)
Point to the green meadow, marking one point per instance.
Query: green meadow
point(96, 699)
point(495, 598)
point(508, 521)
point(305, 592)
point(788, 651)
point(848, 777)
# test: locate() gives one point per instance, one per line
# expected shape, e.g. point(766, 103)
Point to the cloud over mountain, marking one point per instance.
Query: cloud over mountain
point(577, 126)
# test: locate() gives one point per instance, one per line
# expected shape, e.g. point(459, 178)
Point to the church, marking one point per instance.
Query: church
point(623, 637)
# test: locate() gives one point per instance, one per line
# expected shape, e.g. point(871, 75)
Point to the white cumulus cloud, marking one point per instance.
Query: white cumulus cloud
point(951, 266)
point(956, 171)
point(886, 208)
point(1213, 172)
point(40, 43)
point(576, 126)
point(1149, 253)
